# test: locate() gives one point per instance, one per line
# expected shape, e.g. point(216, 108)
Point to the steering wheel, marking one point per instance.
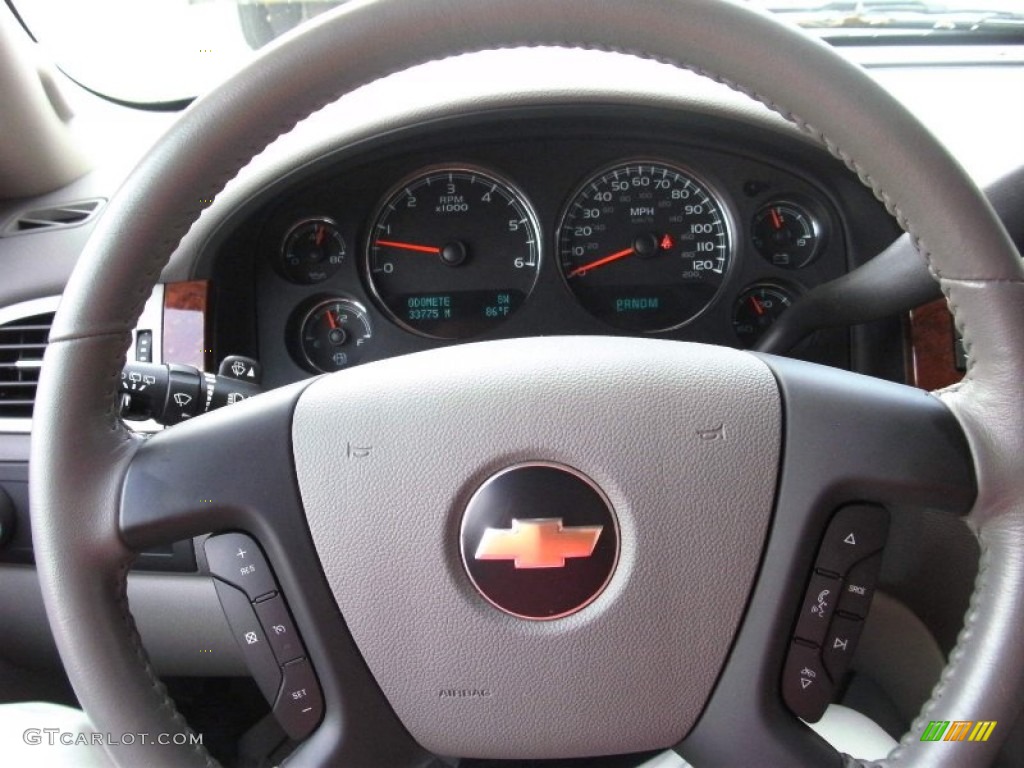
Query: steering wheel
point(686, 644)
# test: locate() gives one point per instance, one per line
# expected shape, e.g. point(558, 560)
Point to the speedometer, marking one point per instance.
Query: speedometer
point(644, 246)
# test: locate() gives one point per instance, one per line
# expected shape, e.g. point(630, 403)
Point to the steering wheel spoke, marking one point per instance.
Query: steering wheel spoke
point(851, 443)
point(232, 470)
point(855, 438)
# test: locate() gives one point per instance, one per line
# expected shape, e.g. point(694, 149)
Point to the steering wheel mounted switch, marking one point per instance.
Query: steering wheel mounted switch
point(263, 628)
point(236, 559)
point(834, 608)
point(251, 638)
point(855, 533)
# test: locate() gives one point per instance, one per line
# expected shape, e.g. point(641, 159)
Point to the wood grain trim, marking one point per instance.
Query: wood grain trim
point(186, 316)
point(931, 363)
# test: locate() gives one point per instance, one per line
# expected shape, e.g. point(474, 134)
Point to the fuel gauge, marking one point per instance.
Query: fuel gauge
point(333, 334)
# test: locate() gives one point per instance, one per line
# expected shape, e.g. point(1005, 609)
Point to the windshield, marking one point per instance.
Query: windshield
point(169, 51)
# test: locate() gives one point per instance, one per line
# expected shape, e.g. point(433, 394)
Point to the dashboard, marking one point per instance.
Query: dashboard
point(322, 197)
point(545, 221)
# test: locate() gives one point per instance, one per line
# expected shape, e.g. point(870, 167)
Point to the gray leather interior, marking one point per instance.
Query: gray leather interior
point(898, 654)
point(31, 734)
point(986, 668)
point(849, 731)
point(81, 561)
point(185, 636)
point(80, 450)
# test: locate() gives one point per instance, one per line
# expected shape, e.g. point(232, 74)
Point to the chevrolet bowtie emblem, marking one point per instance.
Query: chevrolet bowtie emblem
point(538, 543)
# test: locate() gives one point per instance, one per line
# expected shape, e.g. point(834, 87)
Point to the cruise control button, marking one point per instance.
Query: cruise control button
point(859, 586)
point(300, 704)
point(237, 559)
point(806, 687)
point(251, 639)
point(856, 532)
point(284, 639)
point(817, 608)
point(840, 644)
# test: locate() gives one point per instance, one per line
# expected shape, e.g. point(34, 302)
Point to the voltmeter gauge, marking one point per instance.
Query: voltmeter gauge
point(787, 234)
point(332, 334)
point(312, 251)
point(757, 308)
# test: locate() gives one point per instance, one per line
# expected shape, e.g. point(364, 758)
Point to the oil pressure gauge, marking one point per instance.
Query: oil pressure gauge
point(331, 335)
point(312, 251)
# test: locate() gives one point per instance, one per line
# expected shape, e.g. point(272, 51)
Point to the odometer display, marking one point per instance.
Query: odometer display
point(644, 246)
point(453, 252)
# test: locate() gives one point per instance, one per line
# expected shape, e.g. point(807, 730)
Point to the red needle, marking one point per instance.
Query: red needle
point(408, 246)
point(331, 321)
point(757, 305)
point(601, 262)
point(321, 233)
point(776, 218)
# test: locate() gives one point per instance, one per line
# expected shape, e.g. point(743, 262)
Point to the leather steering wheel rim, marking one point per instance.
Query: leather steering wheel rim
point(80, 448)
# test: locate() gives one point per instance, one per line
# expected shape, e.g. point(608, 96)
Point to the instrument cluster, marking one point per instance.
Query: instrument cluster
point(536, 236)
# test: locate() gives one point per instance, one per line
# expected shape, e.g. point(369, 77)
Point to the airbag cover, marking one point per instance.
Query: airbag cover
point(683, 439)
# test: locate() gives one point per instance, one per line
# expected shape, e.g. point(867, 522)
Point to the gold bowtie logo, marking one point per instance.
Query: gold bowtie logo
point(538, 543)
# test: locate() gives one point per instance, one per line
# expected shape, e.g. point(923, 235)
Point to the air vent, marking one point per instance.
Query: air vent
point(22, 343)
point(58, 216)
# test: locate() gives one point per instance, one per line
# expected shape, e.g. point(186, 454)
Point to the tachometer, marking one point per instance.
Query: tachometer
point(453, 252)
point(644, 246)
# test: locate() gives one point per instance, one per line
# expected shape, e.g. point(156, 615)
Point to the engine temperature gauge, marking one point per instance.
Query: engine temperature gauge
point(333, 334)
point(757, 308)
